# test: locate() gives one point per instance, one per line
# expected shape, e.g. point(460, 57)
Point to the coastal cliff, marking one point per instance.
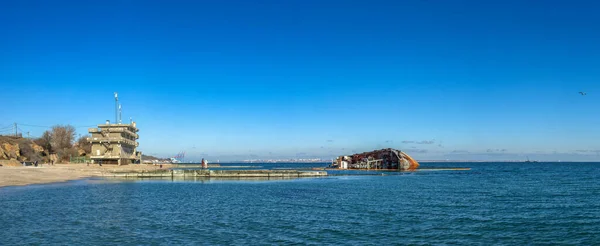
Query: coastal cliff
point(16, 150)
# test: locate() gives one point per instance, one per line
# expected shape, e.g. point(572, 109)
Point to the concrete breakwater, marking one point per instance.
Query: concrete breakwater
point(165, 173)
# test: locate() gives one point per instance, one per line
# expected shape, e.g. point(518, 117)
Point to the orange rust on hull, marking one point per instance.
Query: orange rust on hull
point(413, 163)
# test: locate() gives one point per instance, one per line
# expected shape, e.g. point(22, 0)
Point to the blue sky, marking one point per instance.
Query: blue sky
point(230, 80)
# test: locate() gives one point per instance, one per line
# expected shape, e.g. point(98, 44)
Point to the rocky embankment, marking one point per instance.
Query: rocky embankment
point(16, 150)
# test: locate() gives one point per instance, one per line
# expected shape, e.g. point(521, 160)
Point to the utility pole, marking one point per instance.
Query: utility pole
point(116, 108)
point(27, 134)
point(16, 129)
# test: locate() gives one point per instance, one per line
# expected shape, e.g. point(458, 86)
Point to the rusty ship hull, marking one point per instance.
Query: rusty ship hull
point(384, 159)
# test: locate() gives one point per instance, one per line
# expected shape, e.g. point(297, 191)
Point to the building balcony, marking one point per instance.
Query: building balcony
point(114, 140)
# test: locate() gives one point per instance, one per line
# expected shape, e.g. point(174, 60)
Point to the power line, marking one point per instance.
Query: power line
point(8, 126)
point(6, 129)
point(51, 126)
point(14, 130)
point(34, 125)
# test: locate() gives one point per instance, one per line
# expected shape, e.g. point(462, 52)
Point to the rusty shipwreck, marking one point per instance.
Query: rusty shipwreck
point(385, 159)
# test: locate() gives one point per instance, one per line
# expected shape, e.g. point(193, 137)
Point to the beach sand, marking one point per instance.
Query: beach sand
point(14, 176)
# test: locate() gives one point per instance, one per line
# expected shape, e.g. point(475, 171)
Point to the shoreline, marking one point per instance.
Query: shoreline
point(46, 174)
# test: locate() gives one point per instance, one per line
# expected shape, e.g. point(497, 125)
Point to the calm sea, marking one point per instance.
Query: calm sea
point(494, 203)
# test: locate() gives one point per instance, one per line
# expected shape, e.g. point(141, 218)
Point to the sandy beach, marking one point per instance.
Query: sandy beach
point(15, 176)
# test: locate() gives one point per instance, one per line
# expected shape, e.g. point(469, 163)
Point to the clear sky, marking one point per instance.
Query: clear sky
point(300, 78)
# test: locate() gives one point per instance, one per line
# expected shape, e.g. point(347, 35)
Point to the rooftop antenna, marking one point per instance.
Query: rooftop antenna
point(116, 108)
point(120, 118)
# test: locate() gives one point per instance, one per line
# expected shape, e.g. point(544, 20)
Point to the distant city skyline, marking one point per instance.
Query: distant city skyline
point(235, 80)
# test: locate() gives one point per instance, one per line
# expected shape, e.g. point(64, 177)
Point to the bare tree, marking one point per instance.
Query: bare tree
point(62, 138)
point(45, 141)
point(84, 144)
point(66, 153)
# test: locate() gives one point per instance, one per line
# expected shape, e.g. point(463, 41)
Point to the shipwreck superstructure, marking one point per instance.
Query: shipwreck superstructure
point(390, 159)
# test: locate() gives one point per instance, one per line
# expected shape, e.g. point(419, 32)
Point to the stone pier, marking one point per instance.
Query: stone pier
point(166, 173)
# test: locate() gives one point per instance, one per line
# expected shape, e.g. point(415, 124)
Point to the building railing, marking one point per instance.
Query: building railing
point(99, 130)
point(113, 157)
point(127, 126)
point(80, 159)
point(114, 140)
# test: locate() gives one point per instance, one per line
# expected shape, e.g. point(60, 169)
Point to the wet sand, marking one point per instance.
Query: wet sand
point(15, 176)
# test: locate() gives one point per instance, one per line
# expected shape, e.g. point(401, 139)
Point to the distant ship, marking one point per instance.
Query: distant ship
point(528, 161)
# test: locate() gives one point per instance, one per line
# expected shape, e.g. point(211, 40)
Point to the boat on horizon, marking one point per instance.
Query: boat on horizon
point(528, 161)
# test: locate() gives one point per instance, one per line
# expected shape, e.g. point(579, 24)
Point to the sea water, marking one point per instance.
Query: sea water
point(493, 203)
